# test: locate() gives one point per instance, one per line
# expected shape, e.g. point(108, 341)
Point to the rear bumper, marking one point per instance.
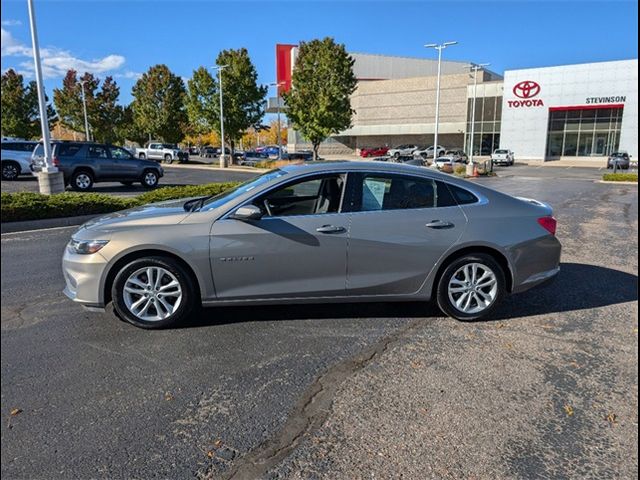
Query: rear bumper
point(534, 262)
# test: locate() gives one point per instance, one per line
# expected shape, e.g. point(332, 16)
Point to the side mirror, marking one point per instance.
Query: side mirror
point(247, 212)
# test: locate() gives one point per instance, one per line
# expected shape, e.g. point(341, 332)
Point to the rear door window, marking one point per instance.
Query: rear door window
point(68, 150)
point(462, 196)
point(97, 151)
point(119, 153)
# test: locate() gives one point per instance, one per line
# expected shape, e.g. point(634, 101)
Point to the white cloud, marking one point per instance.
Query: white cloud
point(11, 23)
point(55, 61)
point(128, 74)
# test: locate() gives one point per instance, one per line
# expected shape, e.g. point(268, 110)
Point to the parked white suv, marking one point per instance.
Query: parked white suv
point(16, 157)
point(502, 156)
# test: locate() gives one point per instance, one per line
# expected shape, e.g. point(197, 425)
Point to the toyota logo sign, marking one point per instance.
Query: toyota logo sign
point(526, 89)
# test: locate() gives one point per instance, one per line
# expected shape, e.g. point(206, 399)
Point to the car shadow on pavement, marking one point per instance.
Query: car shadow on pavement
point(577, 287)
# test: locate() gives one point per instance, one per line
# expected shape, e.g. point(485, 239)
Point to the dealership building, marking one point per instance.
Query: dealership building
point(582, 112)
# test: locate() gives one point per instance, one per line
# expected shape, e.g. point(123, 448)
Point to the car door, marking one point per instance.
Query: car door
point(125, 165)
point(154, 152)
point(297, 249)
point(401, 225)
point(103, 165)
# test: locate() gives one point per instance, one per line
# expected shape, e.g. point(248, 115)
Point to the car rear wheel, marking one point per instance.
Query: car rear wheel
point(81, 180)
point(142, 155)
point(471, 287)
point(153, 292)
point(10, 170)
point(150, 179)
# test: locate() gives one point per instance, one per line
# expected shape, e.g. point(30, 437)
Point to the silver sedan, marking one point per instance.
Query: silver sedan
point(318, 232)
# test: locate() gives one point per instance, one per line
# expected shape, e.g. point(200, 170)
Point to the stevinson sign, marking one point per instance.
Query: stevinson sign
point(527, 93)
point(600, 100)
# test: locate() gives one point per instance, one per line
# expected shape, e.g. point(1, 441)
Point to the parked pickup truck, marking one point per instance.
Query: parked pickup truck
point(503, 156)
point(162, 152)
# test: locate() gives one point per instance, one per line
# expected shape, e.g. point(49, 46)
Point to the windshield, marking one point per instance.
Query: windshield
point(222, 198)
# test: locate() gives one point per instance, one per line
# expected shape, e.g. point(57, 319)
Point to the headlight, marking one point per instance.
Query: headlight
point(85, 247)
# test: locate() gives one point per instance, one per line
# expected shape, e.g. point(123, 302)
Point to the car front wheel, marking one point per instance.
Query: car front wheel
point(153, 292)
point(471, 287)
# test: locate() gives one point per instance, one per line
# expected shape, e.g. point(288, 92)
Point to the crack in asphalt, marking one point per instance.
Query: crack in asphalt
point(310, 411)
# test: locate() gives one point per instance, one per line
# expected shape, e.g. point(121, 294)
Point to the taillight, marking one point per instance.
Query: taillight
point(56, 162)
point(549, 224)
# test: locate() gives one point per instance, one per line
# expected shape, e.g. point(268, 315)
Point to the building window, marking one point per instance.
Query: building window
point(487, 125)
point(584, 133)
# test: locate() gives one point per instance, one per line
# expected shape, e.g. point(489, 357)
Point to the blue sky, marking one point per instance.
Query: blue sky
point(124, 38)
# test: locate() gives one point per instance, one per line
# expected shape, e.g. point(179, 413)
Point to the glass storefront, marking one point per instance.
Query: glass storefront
point(487, 125)
point(584, 133)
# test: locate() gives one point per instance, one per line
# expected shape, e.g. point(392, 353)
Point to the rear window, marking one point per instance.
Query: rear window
point(464, 197)
point(502, 151)
point(68, 150)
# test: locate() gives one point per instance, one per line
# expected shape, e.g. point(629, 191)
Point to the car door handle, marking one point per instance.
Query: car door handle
point(439, 224)
point(330, 229)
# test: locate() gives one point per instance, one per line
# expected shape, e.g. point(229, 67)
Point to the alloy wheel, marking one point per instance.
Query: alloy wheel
point(152, 293)
point(473, 288)
point(9, 172)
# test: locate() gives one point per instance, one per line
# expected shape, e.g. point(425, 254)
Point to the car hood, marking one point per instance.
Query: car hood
point(169, 212)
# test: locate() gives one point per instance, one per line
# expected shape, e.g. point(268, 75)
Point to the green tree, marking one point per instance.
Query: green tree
point(20, 113)
point(127, 129)
point(103, 112)
point(319, 102)
point(243, 99)
point(201, 102)
point(159, 104)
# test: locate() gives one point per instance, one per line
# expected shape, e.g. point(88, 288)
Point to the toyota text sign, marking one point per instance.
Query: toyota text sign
point(526, 91)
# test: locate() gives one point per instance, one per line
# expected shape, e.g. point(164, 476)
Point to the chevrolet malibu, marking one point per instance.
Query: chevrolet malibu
point(313, 233)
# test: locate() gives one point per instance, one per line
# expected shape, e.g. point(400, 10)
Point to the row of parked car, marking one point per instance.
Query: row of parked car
point(408, 152)
point(82, 163)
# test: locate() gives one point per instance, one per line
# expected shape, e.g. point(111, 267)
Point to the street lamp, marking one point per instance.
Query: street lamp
point(439, 48)
point(278, 85)
point(222, 152)
point(474, 67)
point(84, 108)
point(50, 180)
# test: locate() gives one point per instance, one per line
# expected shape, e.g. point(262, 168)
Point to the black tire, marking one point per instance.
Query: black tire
point(10, 170)
point(142, 156)
point(396, 155)
point(81, 180)
point(128, 183)
point(168, 158)
point(442, 292)
point(146, 179)
point(188, 302)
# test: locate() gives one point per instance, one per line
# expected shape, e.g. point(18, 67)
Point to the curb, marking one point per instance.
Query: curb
point(27, 225)
point(206, 166)
point(617, 183)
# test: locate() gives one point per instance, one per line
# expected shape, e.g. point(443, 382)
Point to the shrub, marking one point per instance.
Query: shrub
point(34, 206)
point(620, 177)
point(183, 191)
point(460, 170)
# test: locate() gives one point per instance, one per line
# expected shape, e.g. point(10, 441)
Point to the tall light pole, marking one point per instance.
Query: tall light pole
point(222, 152)
point(439, 48)
point(84, 108)
point(50, 180)
point(278, 85)
point(474, 67)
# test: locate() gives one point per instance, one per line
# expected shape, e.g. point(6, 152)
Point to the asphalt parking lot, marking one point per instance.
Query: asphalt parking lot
point(546, 389)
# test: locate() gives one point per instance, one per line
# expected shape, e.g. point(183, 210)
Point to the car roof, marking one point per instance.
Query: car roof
point(358, 166)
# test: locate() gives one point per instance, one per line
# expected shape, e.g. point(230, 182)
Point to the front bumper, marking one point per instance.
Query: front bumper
point(82, 276)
